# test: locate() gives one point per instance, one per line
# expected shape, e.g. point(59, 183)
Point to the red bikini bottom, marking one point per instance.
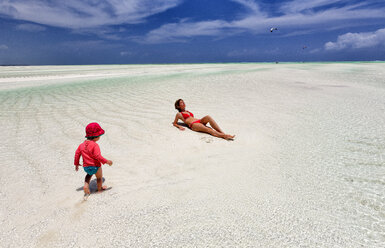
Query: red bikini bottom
point(197, 121)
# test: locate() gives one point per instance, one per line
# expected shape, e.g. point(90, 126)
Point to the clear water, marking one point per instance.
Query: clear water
point(312, 136)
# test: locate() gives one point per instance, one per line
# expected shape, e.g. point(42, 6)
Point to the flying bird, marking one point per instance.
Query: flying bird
point(272, 29)
point(304, 47)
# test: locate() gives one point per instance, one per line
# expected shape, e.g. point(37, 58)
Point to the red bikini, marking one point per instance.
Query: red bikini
point(187, 115)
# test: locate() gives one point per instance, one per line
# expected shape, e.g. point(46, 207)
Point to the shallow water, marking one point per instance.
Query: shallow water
point(307, 167)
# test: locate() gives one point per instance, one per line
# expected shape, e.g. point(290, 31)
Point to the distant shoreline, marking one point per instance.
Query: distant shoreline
point(266, 62)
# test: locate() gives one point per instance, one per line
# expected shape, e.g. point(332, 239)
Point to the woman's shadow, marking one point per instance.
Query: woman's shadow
point(183, 125)
point(93, 186)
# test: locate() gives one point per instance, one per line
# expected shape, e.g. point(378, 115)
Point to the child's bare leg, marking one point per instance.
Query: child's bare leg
point(86, 187)
point(99, 179)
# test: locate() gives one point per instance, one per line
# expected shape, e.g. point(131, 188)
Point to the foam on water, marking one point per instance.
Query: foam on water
point(307, 167)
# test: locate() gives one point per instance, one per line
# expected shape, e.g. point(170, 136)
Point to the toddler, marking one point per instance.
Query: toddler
point(92, 159)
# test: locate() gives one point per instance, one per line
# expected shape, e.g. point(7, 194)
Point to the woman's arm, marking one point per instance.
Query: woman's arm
point(175, 123)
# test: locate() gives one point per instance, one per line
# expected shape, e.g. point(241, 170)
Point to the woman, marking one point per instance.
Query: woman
point(198, 125)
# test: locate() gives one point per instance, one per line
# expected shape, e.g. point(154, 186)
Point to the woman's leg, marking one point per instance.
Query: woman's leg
point(213, 124)
point(199, 127)
point(99, 179)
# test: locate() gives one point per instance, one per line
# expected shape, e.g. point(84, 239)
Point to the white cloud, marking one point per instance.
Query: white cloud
point(88, 44)
point(300, 5)
point(125, 53)
point(106, 33)
point(316, 50)
point(250, 5)
point(358, 40)
point(84, 14)
point(298, 17)
point(177, 32)
point(30, 27)
point(3, 47)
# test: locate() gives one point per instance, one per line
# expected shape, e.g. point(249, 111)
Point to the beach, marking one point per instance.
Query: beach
point(306, 169)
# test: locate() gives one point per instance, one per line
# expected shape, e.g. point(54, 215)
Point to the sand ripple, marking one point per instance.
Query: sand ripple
point(307, 167)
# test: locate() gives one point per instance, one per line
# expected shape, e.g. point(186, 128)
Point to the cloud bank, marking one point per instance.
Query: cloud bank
point(358, 40)
point(295, 15)
point(97, 17)
point(76, 14)
point(30, 27)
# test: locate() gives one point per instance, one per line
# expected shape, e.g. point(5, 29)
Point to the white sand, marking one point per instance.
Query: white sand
point(307, 168)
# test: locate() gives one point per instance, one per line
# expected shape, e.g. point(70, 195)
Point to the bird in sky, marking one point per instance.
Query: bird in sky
point(272, 29)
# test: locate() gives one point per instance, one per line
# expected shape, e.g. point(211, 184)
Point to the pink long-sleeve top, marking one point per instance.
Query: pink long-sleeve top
point(90, 152)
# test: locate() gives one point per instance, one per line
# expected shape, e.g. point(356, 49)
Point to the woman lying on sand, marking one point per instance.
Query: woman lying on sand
point(198, 125)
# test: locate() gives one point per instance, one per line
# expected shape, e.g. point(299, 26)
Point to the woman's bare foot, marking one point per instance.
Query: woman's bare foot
point(228, 137)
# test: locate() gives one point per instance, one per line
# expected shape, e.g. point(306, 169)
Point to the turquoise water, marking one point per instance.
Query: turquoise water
point(307, 167)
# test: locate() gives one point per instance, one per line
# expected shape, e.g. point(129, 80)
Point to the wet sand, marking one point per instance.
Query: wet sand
point(306, 168)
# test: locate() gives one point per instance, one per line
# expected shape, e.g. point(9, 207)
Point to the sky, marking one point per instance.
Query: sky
point(57, 32)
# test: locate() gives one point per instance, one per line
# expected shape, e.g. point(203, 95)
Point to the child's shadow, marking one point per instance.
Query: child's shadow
point(93, 186)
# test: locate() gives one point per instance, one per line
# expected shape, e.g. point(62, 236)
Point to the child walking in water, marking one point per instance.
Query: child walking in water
point(92, 158)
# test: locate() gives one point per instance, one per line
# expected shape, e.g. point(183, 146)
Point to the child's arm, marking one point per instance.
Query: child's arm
point(98, 156)
point(77, 158)
point(109, 162)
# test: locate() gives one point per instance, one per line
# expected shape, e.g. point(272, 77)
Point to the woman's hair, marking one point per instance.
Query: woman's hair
point(177, 104)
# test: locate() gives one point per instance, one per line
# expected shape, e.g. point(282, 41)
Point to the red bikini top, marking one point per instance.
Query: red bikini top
point(188, 115)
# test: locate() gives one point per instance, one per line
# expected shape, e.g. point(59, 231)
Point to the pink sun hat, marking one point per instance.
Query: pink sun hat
point(94, 130)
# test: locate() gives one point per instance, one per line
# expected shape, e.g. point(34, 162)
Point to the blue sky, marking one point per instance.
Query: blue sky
point(189, 31)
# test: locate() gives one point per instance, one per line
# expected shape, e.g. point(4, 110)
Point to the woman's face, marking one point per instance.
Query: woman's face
point(182, 106)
